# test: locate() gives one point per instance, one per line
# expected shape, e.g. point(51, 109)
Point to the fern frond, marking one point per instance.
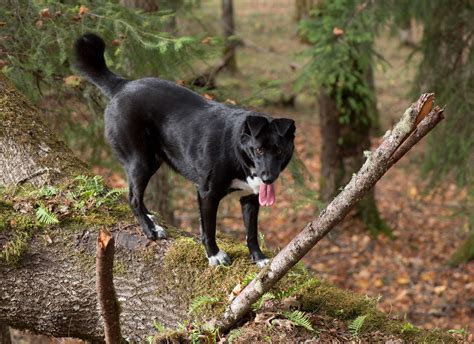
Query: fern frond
point(159, 327)
point(299, 318)
point(43, 215)
point(356, 325)
point(46, 191)
point(248, 278)
point(201, 302)
point(265, 297)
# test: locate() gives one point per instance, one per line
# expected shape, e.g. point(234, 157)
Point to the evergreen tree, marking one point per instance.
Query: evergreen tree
point(341, 34)
point(447, 68)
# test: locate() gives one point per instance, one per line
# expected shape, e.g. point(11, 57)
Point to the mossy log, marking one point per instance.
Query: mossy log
point(47, 280)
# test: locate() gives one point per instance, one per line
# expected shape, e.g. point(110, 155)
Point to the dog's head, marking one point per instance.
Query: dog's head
point(268, 145)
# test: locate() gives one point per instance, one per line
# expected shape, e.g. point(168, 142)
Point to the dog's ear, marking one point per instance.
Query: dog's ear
point(254, 125)
point(285, 127)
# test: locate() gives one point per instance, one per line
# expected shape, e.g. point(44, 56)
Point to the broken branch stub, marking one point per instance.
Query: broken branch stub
point(110, 309)
point(373, 169)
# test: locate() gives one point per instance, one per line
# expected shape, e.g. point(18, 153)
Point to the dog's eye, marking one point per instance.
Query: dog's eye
point(279, 151)
point(259, 151)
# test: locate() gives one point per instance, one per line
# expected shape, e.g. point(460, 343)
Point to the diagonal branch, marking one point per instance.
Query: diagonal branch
point(415, 123)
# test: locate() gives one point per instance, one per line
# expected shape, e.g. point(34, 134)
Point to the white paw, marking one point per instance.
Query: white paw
point(262, 262)
point(221, 258)
point(160, 231)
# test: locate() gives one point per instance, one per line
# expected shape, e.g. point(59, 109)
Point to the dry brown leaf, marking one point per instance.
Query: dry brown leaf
point(44, 13)
point(206, 40)
point(337, 31)
point(83, 10)
point(72, 80)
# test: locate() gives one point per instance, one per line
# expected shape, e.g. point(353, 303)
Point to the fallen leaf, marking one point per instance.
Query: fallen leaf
point(44, 13)
point(427, 276)
point(72, 80)
point(439, 289)
point(206, 40)
point(236, 291)
point(208, 96)
point(39, 24)
point(403, 280)
point(337, 31)
point(83, 10)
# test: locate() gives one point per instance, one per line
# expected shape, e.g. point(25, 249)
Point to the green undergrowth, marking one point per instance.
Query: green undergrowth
point(206, 291)
point(26, 211)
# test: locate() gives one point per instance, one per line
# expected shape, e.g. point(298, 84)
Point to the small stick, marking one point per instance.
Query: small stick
point(110, 309)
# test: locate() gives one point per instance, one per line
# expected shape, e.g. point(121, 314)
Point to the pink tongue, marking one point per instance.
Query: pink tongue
point(266, 195)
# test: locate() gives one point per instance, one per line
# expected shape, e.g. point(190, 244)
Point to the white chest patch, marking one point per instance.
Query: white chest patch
point(250, 186)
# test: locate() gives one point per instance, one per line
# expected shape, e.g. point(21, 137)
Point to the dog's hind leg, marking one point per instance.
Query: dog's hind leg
point(139, 172)
point(250, 207)
point(208, 208)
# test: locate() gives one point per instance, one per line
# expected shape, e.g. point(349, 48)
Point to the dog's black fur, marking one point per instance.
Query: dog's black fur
point(150, 121)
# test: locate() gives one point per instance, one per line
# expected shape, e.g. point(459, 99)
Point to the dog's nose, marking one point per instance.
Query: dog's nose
point(266, 178)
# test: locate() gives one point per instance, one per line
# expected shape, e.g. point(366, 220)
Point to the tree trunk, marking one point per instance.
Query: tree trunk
point(343, 147)
point(228, 27)
point(5, 337)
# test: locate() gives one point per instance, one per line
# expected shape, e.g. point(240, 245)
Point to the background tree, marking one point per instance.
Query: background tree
point(447, 50)
point(341, 34)
point(230, 44)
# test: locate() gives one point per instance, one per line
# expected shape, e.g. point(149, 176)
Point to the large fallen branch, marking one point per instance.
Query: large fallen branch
point(416, 122)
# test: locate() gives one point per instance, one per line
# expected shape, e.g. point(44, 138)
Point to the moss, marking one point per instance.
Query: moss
point(322, 297)
point(186, 265)
point(170, 337)
point(18, 214)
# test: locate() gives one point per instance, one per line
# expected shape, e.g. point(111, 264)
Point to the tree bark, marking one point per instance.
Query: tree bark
point(396, 144)
point(5, 337)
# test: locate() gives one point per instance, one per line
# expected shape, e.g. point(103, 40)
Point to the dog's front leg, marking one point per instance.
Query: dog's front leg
point(250, 207)
point(208, 208)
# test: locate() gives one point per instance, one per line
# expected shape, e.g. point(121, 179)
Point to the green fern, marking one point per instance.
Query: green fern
point(159, 327)
point(356, 325)
point(248, 278)
point(265, 297)
point(43, 215)
point(299, 318)
point(46, 191)
point(201, 302)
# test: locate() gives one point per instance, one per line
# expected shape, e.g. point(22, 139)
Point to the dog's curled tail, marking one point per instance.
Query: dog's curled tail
point(89, 55)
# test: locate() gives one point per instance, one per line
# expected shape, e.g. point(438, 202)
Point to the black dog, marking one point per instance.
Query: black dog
point(220, 148)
